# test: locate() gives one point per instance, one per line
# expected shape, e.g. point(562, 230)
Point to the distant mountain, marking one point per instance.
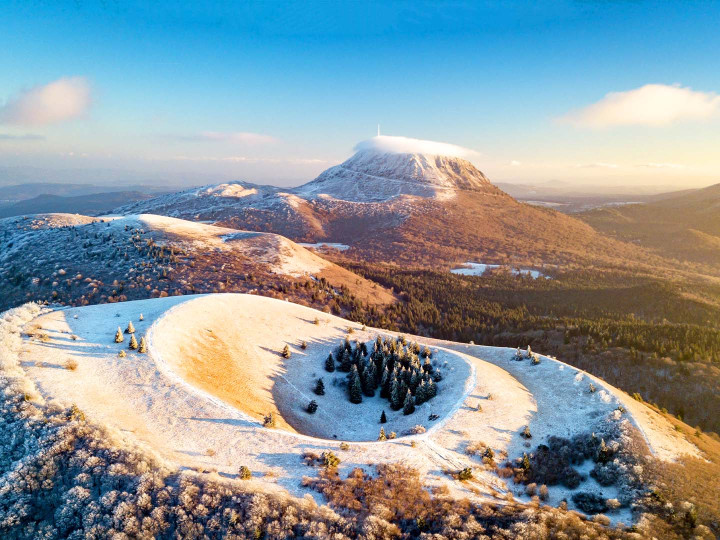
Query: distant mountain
point(398, 206)
point(78, 260)
point(29, 190)
point(684, 225)
point(92, 204)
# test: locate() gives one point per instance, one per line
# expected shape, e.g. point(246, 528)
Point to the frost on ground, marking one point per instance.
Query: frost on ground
point(214, 370)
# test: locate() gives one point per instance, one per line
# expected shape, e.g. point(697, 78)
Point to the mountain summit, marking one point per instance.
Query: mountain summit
point(373, 175)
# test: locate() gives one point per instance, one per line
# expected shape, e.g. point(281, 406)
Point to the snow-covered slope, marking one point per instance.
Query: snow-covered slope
point(77, 259)
point(375, 175)
point(214, 369)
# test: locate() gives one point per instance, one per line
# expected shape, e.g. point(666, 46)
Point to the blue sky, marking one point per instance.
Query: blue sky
point(277, 91)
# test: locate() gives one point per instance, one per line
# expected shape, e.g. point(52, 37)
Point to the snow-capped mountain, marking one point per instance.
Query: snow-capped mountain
point(375, 175)
point(395, 196)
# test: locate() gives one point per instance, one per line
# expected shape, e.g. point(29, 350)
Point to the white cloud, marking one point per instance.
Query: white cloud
point(515, 163)
point(662, 165)
point(597, 165)
point(25, 137)
point(406, 145)
point(649, 105)
point(238, 137)
point(60, 100)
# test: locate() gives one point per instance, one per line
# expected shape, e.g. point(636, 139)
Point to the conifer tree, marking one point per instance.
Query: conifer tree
point(385, 384)
point(431, 390)
point(319, 387)
point(312, 407)
point(382, 436)
point(368, 381)
point(396, 398)
point(346, 361)
point(141, 317)
point(421, 393)
point(142, 348)
point(133, 342)
point(286, 352)
point(330, 363)
point(118, 336)
point(130, 328)
point(354, 387)
point(383, 418)
point(409, 405)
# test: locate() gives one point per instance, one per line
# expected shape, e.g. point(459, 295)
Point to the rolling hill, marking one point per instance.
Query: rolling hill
point(78, 260)
point(684, 226)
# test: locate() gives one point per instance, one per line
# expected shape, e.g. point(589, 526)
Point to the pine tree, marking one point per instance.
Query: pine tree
point(346, 361)
point(319, 387)
point(286, 352)
point(431, 390)
point(141, 317)
point(421, 393)
point(385, 384)
point(118, 336)
point(133, 342)
point(130, 328)
point(354, 387)
point(396, 398)
point(382, 436)
point(409, 405)
point(142, 348)
point(368, 381)
point(312, 407)
point(383, 418)
point(330, 363)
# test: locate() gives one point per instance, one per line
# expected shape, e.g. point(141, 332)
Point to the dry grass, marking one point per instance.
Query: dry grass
point(71, 364)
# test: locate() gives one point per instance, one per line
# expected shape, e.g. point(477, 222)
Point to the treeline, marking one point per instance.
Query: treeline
point(675, 365)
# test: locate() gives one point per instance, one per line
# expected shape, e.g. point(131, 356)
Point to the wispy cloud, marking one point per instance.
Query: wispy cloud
point(58, 101)
point(662, 165)
point(597, 165)
point(649, 105)
point(246, 159)
point(407, 145)
point(24, 137)
point(236, 137)
point(515, 163)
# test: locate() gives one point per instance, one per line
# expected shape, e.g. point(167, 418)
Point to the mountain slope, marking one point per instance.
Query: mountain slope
point(78, 260)
point(685, 226)
point(395, 206)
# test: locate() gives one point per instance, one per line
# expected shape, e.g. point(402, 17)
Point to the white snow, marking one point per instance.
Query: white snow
point(155, 398)
point(478, 269)
point(320, 245)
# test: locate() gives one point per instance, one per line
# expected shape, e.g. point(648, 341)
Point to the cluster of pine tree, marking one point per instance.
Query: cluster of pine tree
point(401, 371)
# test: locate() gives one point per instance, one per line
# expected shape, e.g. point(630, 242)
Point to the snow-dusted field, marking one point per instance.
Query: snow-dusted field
point(213, 370)
point(478, 269)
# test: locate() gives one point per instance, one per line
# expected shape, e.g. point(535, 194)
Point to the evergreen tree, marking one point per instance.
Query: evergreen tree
point(312, 407)
point(141, 317)
point(396, 398)
point(319, 387)
point(133, 342)
point(368, 381)
point(330, 363)
point(382, 436)
point(427, 366)
point(346, 361)
point(431, 390)
point(142, 348)
point(118, 336)
point(130, 328)
point(409, 405)
point(421, 393)
point(354, 386)
point(383, 418)
point(286, 352)
point(385, 384)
